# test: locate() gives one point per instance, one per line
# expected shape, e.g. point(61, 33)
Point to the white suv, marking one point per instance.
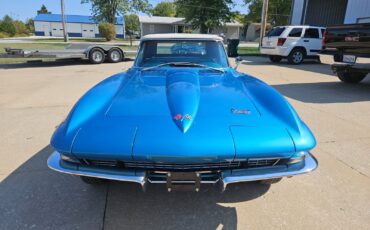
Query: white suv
point(293, 42)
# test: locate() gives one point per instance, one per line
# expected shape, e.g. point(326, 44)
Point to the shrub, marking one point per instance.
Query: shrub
point(107, 31)
point(4, 35)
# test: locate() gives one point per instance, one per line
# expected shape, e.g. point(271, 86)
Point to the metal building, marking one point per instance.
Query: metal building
point(329, 12)
point(77, 26)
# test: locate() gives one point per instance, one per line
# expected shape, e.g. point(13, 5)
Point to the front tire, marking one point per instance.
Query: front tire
point(271, 181)
point(297, 56)
point(350, 77)
point(96, 56)
point(275, 58)
point(115, 55)
point(92, 180)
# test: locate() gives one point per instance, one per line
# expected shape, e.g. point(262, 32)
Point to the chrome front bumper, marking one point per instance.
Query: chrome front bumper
point(226, 177)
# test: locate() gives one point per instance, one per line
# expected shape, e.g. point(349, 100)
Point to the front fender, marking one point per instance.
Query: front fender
point(271, 103)
point(93, 102)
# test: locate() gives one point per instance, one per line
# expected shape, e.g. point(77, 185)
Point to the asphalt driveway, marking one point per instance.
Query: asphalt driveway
point(35, 98)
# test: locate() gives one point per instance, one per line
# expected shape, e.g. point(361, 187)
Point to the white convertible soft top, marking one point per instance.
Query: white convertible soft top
point(179, 36)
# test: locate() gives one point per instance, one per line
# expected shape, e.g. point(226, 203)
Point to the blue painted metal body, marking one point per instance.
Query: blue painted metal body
point(131, 116)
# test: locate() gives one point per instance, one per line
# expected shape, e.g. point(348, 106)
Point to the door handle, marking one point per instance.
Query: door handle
point(306, 40)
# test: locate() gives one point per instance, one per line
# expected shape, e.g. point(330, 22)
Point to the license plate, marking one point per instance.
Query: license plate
point(268, 43)
point(349, 59)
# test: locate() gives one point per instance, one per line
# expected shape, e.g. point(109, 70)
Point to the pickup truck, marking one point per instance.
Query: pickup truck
point(347, 49)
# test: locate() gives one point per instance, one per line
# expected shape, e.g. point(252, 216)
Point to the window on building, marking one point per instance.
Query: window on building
point(311, 33)
point(295, 32)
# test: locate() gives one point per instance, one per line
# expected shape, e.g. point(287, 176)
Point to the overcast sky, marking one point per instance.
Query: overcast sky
point(23, 9)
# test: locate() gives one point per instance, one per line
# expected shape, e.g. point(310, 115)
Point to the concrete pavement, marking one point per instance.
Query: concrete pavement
point(35, 98)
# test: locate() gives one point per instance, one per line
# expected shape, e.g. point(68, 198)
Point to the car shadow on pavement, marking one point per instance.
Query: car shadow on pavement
point(34, 196)
point(326, 92)
point(40, 64)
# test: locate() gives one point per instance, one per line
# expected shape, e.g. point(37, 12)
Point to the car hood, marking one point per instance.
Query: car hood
point(187, 115)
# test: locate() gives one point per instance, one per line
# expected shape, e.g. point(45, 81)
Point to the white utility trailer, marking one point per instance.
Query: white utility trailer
point(95, 53)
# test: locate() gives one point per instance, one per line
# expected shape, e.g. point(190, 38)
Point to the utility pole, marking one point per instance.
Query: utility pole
point(65, 34)
point(263, 19)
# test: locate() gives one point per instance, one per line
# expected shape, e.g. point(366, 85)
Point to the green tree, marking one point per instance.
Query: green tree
point(278, 12)
point(30, 25)
point(7, 26)
point(165, 9)
point(43, 10)
point(21, 28)
point(132, 25)
point(241, 18)
point(205, 14)
point(107, 10)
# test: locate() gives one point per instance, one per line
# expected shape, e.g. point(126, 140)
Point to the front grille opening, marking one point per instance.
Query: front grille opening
point(263, 162)
point(250, 163)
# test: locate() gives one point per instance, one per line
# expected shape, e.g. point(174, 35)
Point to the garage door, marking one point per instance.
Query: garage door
point(56, 30)
point(323, 13)
point(88, 31)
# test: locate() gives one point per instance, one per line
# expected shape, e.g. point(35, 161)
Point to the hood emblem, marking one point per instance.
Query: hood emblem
point(240, 111)
point(182, 118)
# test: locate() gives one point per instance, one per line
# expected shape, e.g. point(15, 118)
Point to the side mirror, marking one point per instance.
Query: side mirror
point(238, 60)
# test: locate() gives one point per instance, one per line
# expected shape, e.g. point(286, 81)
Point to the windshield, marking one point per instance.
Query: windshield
point(207, 53)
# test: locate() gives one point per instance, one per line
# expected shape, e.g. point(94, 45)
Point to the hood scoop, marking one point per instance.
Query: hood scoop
point(183, 94)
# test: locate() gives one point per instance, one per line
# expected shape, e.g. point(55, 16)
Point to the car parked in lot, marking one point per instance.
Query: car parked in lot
point(347, 50)
point(182, 119)
point(295, 43)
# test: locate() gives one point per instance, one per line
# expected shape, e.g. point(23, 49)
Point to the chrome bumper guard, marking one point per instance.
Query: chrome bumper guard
point(226, 177)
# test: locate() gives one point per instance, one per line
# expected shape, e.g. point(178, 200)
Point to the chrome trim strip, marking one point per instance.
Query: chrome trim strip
point(54, 164)
point(310, 164)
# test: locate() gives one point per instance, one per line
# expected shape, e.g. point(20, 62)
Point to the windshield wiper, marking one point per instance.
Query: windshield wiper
point(183, 64)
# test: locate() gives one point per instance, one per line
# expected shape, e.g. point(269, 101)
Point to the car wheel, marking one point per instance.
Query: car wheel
point(115, 55)
point(350, 77)
point(275, 58)
point(296, 56)
point(92, 180)
point(271, 181)
point(96, 56)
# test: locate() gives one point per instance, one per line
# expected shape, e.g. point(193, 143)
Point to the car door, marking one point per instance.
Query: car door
point(294, 37)
point(312, 41)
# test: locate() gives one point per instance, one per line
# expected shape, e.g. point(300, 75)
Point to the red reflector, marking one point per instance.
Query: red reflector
point(281, 41)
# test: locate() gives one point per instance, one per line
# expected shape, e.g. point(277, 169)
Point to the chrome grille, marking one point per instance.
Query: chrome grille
point(259, 162)
point(106, 163)
point(250, 163)
point(169, 166)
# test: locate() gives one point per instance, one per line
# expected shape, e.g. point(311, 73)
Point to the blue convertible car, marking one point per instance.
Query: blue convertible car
point(183, 117)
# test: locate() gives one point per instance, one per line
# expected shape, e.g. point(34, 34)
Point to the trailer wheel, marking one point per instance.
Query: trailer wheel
point(350, 77)
point(96, 56)
point(115, 55)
